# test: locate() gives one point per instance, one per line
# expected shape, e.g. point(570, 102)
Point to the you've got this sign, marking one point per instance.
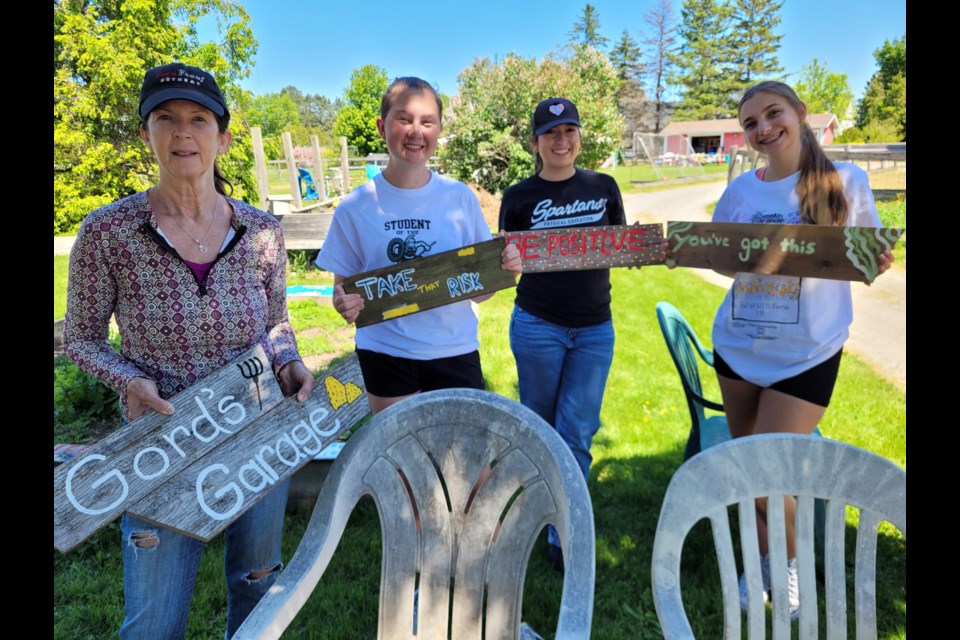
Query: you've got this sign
point(806, 250)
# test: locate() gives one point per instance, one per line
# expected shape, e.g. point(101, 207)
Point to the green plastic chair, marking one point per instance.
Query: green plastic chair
point(684, 346)
point(706, 432)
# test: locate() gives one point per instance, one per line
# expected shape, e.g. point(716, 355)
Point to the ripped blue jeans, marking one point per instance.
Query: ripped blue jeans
point(160, 568)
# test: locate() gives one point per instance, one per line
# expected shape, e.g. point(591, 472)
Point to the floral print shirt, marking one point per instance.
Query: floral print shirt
point(174, 329)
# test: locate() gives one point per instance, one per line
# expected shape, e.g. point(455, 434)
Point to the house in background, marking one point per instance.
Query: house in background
point(717, 136)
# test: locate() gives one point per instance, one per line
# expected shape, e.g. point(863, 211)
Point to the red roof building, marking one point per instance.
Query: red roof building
point(717, 136)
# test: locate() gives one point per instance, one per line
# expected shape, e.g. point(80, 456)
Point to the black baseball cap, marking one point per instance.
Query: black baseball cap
point(554, 111)
point(178, 81)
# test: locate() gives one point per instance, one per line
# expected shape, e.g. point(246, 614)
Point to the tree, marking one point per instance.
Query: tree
point(660, 46)
point(823, 91)
point(883, 107)
point(274, 113)
point(756, 41)
point(489, 124)
point(586, 30)
point(625, 58)
point(357, 119)
point(316, 111)
point(102, 49)
point(703, 62)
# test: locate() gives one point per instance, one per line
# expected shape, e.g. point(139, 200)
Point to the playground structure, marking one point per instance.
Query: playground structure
point(650, 149)
point(308, 191)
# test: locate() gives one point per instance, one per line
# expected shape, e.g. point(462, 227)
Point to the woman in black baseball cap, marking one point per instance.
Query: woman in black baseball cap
point(561, 331)
point(194, 279)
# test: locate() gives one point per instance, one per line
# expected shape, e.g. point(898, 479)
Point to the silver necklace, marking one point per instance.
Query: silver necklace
point(200, 245)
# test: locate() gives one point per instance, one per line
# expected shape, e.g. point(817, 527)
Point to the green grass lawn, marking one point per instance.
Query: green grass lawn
point(280, 182)
point(61, 266)
point(642, 177)
point(894, 214)
point(644, 428)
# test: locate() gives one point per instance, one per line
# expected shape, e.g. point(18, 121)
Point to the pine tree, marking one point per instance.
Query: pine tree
point(625, 58)
point(702, 63)
point(586, 30)
point(756, 41)
point(660, 45)
point(632, 103)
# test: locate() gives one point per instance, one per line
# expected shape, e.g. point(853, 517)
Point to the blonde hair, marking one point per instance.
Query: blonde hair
point(821, 192)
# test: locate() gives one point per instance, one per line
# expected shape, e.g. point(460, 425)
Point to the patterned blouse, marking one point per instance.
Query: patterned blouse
point(174, 329)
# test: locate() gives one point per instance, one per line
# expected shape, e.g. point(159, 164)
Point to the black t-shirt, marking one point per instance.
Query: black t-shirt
point(588, 199)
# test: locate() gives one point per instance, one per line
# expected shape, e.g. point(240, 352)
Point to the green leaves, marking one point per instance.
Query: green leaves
point(726, 46)
point(357, 119)
point(823, 91)
point(488, 126)
point(882, 114)
point(102, 50)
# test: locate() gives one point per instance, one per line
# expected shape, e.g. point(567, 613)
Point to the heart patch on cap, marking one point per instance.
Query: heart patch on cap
point(556, 109)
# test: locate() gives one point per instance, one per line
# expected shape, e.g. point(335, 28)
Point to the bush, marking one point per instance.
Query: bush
point(83, 407)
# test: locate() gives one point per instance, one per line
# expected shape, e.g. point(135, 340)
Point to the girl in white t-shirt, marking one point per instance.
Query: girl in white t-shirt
point(408, 212)
point(778, 339)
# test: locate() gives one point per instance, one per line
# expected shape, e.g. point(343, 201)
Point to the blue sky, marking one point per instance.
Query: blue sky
point(315, 45)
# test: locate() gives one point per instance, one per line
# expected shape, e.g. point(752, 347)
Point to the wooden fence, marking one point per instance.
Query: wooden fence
point(872, 158)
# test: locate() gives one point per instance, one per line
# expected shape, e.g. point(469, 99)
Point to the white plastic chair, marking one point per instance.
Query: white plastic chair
point(775, 465)
point(464, 482)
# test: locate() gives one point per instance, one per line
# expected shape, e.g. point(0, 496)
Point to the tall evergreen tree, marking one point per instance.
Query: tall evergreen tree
point(633, 104)
point(755, 41)
point(625, 58)
point(660, 45)
point(703, 61)
point(586, 30)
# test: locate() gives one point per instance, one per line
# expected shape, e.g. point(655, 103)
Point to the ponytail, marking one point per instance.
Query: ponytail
point(821, 192)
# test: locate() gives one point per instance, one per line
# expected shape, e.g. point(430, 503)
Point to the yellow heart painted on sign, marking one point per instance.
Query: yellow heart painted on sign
point(341, 394)
point(353, 392)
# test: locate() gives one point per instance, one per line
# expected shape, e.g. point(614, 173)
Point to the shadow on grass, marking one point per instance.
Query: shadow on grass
point(627, 493)
point(626, 509)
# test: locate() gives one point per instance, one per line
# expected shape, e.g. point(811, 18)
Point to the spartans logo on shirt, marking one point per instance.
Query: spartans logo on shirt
point(409, 246)
point(579, 212)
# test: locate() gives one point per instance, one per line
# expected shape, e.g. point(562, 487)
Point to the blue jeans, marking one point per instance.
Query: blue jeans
point(561, 374)
point(158, 578)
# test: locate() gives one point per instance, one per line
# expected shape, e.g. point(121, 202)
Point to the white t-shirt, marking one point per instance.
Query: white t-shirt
point(379, 225)
point(770, 328)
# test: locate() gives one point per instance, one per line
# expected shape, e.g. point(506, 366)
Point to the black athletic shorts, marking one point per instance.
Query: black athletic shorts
point(813, 385)
point(390, 376)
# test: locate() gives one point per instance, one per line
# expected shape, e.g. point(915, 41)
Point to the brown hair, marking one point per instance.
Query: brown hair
point(221, 184)
point(819, 187)
point(403, 84)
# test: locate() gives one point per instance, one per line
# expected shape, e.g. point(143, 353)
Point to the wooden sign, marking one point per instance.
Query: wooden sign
point(122, 470)
point(580, 248)
point(430, 282)
point(807, 250)
point(205, 498)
